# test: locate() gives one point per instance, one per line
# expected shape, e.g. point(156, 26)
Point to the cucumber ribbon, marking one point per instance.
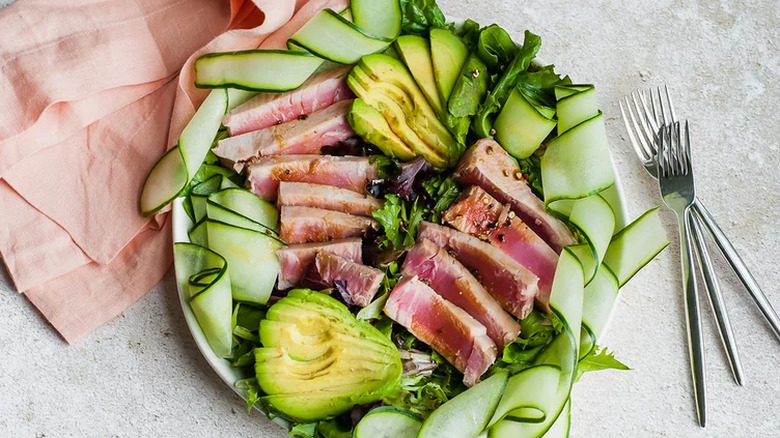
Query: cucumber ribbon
point(367, 26)
point(237, 75)
point(202, 275)
point(576, 170)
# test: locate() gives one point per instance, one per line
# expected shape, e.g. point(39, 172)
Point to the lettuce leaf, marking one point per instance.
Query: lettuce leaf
point(333, 429)
point(303, 430)
point(419, 16)
point(443, 191)
point(416, 215)
point(598, 360)
point(391, 217)
point(531, 168)
point(422, 394)
point(495, 47)
point(495, 99)
point(537, 331)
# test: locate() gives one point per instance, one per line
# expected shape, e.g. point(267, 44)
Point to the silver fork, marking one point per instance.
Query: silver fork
point(644, 137)
point(675, 178)
point(642, 125)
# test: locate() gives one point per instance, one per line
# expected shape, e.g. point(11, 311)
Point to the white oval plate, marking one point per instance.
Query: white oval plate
point(230, 375)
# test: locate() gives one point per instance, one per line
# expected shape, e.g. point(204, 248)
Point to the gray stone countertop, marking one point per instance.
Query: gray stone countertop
point(141, 375)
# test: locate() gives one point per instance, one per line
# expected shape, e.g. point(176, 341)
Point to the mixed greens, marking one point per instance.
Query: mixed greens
point(425, 90)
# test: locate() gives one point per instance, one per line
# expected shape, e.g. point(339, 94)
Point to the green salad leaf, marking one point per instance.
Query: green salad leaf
point(399, 219)
point(419, 16)
point(444, 190)
point(333, 429)
point(469, 32)
point(391, 217)
point(495, 99)
point(542, 81)
point(416, 215)
point(421, 393)
point(494, 46)
point(385, 165)
point(374, 309)
point(303, 430)
point(598, 360)
point(531, 168)
point(253, 392)
point(536, 333)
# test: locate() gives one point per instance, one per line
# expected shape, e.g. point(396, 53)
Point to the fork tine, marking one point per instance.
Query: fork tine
point(661, 105)
point(650, 115)
point(671, 106)
point(687, 148)
point(647, 130)
point(677, 152)
point(656, 115)
point(647, 152)
point(638, 148)
point(662, 152)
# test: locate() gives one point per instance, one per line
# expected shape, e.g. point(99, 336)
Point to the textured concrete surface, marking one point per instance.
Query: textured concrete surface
point(141, 376)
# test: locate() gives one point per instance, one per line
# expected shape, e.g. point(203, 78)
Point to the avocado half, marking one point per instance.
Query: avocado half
point(318, 360)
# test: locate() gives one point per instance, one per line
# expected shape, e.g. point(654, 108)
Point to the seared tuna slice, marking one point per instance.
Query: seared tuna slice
point(454, 282)
point(267, 109)
point(327, 197)
point(479, 214)
point(508, 281)
point(353, 173)
point(447, 328)
point(360, 281)
point(300, 136)
point(488, 165)
point(307, 224)
point(296, 259)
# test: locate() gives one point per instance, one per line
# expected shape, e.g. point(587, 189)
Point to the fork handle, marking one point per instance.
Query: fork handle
point(739, 267)
point(716, 300)
point(693, 317)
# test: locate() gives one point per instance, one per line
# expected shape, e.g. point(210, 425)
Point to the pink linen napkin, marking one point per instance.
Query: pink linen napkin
point(92, 93)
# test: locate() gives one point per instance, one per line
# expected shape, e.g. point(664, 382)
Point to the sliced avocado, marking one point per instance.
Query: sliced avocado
point(369, 124)
point(470, 88)
point(318, 360)
point(449, 54)
point(416, 54)
point(399, 111)
point(386, 85)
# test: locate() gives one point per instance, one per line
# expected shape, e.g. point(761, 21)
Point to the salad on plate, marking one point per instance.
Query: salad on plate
point(399, 227)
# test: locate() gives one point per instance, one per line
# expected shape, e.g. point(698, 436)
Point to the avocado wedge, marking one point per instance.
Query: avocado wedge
point(384, 84)
point(449, 54)
point(372, 126)
point(416, 54)
point(318, 360)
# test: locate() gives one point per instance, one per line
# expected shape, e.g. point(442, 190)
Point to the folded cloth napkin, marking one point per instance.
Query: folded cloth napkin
point(92, 93)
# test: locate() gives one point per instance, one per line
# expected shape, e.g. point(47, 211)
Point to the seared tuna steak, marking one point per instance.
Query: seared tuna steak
point(307, 224)
point(488, 165)
point(454, 282)
point(479, 214)
point(296, 259)
point(360, 281)
point(327, 197)
point(306, 135)
point(514, 286)
point(267, 109)
point(353, 173)
point(447, 328)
